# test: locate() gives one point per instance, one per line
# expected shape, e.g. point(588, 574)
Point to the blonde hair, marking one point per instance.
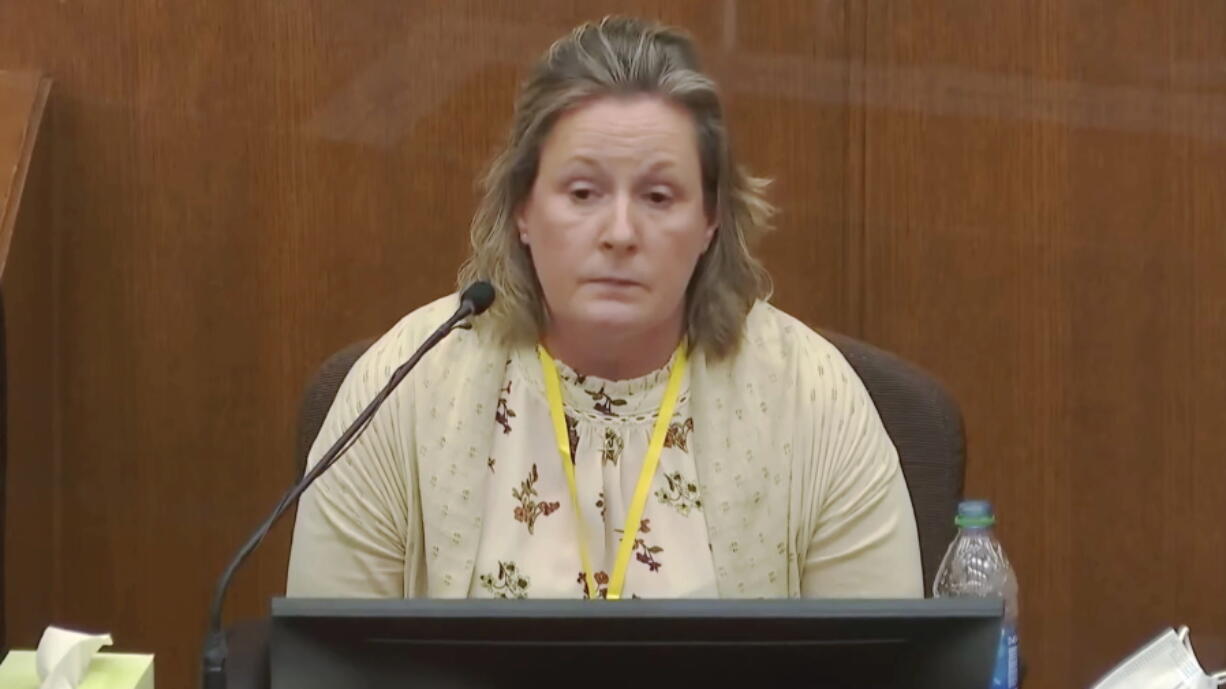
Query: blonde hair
point(622, 56)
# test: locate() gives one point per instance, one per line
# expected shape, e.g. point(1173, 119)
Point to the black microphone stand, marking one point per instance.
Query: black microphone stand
point(475, 300)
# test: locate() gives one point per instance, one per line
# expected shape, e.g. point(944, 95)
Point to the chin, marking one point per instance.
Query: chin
point(615, 316)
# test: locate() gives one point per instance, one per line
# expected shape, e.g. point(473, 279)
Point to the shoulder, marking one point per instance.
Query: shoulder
point(790, 360)
point(399, 342)
point(423, 320)
point(783, 344)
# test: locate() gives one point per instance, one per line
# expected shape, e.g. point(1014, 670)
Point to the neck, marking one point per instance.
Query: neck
point(593, 353)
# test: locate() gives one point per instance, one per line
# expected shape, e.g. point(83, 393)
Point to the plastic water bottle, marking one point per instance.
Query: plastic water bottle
point(975, 566)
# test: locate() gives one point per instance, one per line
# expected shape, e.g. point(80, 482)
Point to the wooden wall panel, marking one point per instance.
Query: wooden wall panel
point(233, 190)
point(23, 96)
point(1043, 228)
point(787, 69)
point(31, 425)
point(1024, 197)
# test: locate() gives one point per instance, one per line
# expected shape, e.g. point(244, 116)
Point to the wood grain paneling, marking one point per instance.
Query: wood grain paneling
point(1043, 227)
point(23, 97)
point(25, 332)
point(233, 190)
point(1024, 197)
point(787, 69)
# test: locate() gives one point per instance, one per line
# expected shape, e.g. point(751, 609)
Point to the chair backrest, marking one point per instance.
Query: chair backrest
point(920, 416)
point(318, 396)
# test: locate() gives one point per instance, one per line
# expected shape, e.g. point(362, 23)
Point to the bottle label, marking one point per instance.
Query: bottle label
point(1005, 674)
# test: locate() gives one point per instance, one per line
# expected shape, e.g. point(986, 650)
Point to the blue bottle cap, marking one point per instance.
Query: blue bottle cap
point(975, 513)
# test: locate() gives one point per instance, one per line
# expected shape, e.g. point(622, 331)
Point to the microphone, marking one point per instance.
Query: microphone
point(473, 302)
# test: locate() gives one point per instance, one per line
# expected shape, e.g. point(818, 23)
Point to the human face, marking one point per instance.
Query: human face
point(615, 220)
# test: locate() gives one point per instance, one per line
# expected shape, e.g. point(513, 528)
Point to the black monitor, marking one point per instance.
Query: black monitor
point(491, 644)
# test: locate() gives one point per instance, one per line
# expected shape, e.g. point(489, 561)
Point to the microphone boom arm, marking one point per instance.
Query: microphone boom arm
point(474, 301)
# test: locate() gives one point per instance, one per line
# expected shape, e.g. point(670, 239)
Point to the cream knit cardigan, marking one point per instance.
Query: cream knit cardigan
point(797, 472)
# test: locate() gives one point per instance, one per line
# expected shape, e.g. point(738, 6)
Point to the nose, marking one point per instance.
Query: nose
point(620, 232)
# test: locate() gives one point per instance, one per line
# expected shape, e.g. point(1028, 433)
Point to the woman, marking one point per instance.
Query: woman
point(631, 418)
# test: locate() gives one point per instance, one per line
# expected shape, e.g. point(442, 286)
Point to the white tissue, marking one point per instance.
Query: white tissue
point(63, 656)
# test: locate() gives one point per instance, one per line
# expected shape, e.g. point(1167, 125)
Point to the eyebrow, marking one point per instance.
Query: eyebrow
point(580, 159)
point(585, 159)
point(660, 164)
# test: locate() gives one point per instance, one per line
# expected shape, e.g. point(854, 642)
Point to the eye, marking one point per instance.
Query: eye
point(582, 193)
point(659, 197)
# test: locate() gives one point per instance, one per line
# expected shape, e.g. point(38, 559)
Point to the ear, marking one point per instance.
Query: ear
point(709, 236)
point(521, 225)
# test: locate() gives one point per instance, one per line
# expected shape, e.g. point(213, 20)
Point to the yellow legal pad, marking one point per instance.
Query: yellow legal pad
point(106, 671)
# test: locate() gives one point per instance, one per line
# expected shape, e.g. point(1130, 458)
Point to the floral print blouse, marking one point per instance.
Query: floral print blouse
point(529, 544)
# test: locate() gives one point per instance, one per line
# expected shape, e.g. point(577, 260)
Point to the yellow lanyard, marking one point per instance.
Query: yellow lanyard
point(630, 532)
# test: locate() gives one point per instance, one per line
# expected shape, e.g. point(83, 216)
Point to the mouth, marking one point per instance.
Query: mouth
point(614, 282)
